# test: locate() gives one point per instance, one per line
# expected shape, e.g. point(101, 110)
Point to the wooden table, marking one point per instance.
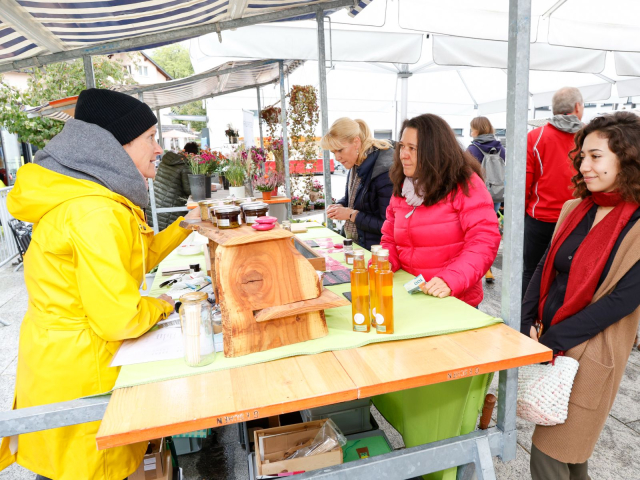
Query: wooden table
point(182, 405)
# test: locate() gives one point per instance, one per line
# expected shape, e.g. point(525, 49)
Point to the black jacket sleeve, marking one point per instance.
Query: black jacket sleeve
point(529, 310)
point(593, 319)
point(383, 189)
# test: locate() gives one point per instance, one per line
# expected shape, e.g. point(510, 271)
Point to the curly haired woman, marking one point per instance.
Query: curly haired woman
point(583, 297)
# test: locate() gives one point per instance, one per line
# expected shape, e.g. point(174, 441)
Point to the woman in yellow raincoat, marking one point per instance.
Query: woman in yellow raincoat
point(89, 253)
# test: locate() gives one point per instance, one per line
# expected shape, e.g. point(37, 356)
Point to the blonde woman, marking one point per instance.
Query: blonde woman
point(369, 188)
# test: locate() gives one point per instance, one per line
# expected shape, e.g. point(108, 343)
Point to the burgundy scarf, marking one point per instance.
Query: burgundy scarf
point(590, 258)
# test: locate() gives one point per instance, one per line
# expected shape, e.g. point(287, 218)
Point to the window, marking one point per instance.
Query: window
point(458, 132)
point(143, 71)
point(129, 69)
point(382, 134)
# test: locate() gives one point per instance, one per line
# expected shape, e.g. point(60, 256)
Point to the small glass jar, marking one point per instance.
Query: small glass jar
point(286, 225)
point(197, 329)
point(228, 217)
point(252, 211)
point(348, 251)
point(212, 209)
point(205, 205)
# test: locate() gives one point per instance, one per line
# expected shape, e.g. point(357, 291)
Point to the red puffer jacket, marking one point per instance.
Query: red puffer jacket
point(456, 241)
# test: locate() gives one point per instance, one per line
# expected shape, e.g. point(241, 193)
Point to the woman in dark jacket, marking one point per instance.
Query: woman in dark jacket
point(485, 141)
point(368, 188)
point(171, 185)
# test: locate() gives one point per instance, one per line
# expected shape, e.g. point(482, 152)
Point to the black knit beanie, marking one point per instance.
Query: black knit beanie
point(124, 116)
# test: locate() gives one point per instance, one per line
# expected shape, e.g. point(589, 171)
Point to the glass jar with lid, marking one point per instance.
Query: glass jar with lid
point(197, 329)
point(205, 205)
point(252, 211)
point(228, 217)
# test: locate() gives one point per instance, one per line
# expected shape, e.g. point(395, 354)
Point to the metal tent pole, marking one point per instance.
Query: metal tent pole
point(89, 77)
point(517, 110)
point(260, 120)
point(160, 139)
point(285, 140)
point(324, 111)
point(404, 75)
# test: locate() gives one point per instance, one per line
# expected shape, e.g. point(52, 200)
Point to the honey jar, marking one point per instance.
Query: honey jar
point(252, 211)
point(228, 217)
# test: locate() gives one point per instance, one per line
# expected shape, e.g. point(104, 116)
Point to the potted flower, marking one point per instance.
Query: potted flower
point(297, 205)
point(232, 133)
point(310, 205)
point(236, 174)
point(200, 176)
point(315, 191)
point(319, 204)
point(265, 184)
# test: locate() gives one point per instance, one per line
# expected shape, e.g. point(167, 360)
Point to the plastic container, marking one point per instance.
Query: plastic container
point(350, 417)
point(252, 211)
point(197, 329)
point(228, 217)
point(187, 445)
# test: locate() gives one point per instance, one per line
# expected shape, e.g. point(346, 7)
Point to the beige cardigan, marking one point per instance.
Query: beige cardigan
point(602, 363)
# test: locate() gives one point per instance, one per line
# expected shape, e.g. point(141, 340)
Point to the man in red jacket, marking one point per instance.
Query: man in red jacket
point(549, 173)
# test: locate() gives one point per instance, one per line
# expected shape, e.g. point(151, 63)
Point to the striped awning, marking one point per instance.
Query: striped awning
point(211, 83)
point(30, 28)
point(225, 78)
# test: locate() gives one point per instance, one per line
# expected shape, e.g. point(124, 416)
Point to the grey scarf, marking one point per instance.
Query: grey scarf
point(566, 123)
point(88, 152)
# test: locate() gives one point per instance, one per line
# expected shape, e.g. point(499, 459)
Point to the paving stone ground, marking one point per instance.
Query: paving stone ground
point(616, 457)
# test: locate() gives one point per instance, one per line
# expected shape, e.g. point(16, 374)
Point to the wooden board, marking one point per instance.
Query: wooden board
point(236, 236)
point(185, 404)
point(318, 261)
point(214, 399)
point(328, 299)
point(392, 366)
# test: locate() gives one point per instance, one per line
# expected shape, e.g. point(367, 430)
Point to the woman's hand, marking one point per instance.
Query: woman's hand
point(194, 214)
point(436, 287)
point(338, 212)
point(533, 333)
point(167, 299)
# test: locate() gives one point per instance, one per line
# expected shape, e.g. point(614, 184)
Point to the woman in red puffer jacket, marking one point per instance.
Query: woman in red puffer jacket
point(440, 221)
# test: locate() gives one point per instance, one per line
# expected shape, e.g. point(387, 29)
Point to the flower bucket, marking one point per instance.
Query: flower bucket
point(238, 192)
point(199, 184)
point(274, 192)
point(266, 195)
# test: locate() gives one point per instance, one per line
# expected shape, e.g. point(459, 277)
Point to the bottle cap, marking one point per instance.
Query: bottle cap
point(375, 248)
point(347, 241)
point(358, 253)
point(382, 252)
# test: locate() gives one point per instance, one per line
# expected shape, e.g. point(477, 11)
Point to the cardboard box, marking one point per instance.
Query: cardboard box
point(277, 440)
point(154, 464)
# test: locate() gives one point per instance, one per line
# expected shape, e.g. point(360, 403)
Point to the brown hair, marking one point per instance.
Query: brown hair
point(482, 125)
point(442, 163)
point(622, 129)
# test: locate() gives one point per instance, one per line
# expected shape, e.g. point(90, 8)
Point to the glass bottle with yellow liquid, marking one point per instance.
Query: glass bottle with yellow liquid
point(373, 294)
point(360, 294)
point(384, 285)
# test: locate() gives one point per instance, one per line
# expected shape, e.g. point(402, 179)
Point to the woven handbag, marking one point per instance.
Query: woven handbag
point(544, 391)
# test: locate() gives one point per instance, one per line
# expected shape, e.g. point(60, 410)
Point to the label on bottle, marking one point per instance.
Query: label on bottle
point(349, 259)
point(251, 219)
point(223, 222)
point(358, 318)
point(381, 328)
point(379, 319)
point(359, 328)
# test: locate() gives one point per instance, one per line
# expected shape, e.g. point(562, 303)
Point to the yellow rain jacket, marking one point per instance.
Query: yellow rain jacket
point(88, 256)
